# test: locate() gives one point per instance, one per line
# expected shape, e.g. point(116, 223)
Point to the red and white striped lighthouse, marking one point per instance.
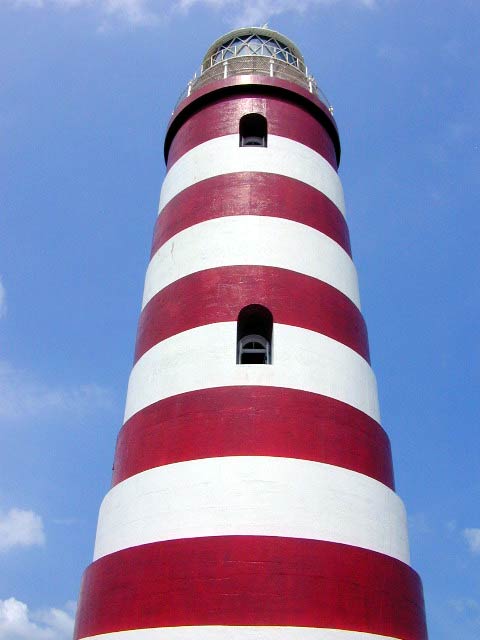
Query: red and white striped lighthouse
point(252, 494)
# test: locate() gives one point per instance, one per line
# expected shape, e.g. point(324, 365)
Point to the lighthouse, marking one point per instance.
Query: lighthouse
point(252, 495)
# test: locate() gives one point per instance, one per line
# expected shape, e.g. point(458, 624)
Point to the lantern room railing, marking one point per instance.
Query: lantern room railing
point(234, 60)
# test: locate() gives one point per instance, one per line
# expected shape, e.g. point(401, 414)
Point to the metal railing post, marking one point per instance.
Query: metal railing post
point(273, 69)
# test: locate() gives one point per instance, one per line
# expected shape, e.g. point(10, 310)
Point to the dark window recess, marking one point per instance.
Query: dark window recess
point(254, 335)
point(253, 130)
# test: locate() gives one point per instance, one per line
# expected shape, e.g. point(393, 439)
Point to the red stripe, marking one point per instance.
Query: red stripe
point(284, 118)
point(252, 85)
point(218, 295)
point(247, 580)
point(251, 193)
point(253, 421)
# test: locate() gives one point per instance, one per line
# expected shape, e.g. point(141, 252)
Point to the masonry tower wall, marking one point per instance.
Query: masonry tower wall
point(253, 493)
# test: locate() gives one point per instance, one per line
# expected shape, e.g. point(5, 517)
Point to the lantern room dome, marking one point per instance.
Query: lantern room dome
point(253, 41)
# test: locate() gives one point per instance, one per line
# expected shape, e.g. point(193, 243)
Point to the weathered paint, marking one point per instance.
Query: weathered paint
point(282, 156)
point(219, 632)
point(255, 421)
point(259, 85)
point(285, 118)
point(254, 581)
point(256, 496)
point(260, 194)
point(205, 357)
point(251, 501)
point(252, 240)
point(218, 295)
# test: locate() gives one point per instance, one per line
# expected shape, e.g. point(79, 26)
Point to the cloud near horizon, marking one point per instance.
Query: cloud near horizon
point(19, 623)
point(152, 12)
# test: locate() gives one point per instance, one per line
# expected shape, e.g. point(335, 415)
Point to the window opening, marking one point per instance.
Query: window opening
point(253, 349)
point(254, 335)
point(254, 45)
point(253, 130)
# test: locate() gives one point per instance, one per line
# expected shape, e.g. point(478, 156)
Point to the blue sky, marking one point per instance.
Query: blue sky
point(87, 89)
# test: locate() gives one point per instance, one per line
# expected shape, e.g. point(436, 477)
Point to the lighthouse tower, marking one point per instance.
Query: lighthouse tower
point(252, 494)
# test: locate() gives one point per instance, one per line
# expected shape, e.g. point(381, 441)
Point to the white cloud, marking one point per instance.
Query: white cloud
point(18, 623)
point(462, 605)
point(21, 395)
point(147, 12)
point(3, 300)
point(135, 12)
point(472, 536)
point(255, 12)
point(19, 528)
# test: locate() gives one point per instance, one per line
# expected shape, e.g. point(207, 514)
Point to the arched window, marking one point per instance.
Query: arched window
point(254, 335)
point(253, 130)
point(253, 349)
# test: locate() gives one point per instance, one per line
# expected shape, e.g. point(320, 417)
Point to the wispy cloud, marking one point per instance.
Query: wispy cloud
point(19, 623)
point(418, 524)
point(67, 522)
point(3, 300)
point(254, 12)
point(134, 12)
point(461, 605)
point(472, 537)
point(451, 526)
point(234, 12)
point(468, 611)
point(22, 395)
point(19, 528)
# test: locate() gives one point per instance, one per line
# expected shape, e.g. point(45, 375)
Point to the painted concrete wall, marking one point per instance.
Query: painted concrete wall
point(251, 501)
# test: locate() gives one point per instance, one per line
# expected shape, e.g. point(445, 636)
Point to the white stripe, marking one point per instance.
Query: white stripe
point(205, 357)
point(254, 496)
point(283, 156)
point(252, 240)
point(238, 633)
